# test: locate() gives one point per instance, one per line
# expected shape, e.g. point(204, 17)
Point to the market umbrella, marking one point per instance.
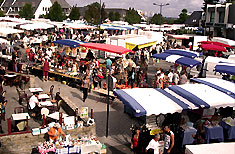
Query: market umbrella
point(213, 47)
point(217, 43)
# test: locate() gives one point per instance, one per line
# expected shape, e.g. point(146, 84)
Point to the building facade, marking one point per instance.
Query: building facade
point(220, 20)
point(40, 7)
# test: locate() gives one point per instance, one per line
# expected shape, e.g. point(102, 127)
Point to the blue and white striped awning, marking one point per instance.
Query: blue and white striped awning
point(228, 68)
point(219, 84)
point(149, 101)
point(185, 53)
point(69, 42)
point(185, 61)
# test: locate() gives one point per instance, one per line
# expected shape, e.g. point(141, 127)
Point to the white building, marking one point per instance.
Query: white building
point(40, 7)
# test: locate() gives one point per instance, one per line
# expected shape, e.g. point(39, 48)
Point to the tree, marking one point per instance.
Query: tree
point(56, 13)
point(74, 14)
point(27, 11)
point(2, 13)
point(111, 16)
point(114, 16)
point(117, 16)
point(92, 14)
point(182, 17)
point(156, 19)
point(132, 16)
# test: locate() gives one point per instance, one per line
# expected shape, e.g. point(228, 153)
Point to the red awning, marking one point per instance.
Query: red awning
point(106, 47)
point(217, 43)
point(213, 47)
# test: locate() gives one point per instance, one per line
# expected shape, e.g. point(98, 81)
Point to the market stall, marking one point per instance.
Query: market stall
point(220, 148)
point(227, 68)
point(185, 61)
point(175, 98)
point(107, 48)
point(69, 42)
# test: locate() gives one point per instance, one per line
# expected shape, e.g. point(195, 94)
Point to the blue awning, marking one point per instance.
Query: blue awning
point(69, 42)
point(129, 101)
point(225, 68)
point(185, 53)
point(190, 97)
point(185, 61)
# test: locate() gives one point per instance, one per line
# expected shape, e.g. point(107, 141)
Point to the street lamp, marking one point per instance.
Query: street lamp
point(161, 5)
point(99, 26)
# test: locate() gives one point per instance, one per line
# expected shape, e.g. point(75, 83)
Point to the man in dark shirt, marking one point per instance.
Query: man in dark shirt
point(83, 68)
point(2, 73)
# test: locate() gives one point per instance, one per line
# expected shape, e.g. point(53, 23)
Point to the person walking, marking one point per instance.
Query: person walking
point(45, 70)
point(85, 87)
point(136, 140)
point(169, 140)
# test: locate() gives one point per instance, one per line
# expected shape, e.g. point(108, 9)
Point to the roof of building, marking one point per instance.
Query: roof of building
point(194, 18)
point(63, 3)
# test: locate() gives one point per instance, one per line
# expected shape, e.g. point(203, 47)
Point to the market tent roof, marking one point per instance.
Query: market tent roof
point(69, 42)
point(4, 41)
point(37, 25)
point(212, 47)
point(107, 47)
point(113, 28)
point(6, 31)
point(144, 101)
point(215, 148)
point(216, 43)
point(149, 101)
point(197, 94)
point(79, 26)
point(140, 42)
point(185, 61)
point(227, 68)
point(219, 84)
point(186, 53)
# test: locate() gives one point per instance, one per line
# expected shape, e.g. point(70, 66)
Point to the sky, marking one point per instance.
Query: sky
point(172, 10)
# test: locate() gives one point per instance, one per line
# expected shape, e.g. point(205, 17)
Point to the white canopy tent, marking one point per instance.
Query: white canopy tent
point(4, 41)
point(216, 148)
point(37, 25)
point(5, 31)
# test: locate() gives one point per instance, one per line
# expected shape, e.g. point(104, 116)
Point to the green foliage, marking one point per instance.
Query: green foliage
point(2, 13)
point(156, 19)
point(27, 11)
point(182, 17)
point(132, 16)
point(184, 31)
point(92, 14)
point(74, 14)
point(117, 16)
point(114, 16)
point(56, 13)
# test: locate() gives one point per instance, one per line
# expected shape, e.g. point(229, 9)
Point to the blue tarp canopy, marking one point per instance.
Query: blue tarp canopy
point(69, 42)
point(227, 68)
point(185, 61)
point(185, 53)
